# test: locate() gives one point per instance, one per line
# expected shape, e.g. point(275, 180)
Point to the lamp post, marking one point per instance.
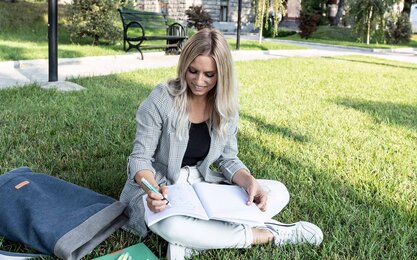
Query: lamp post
point(239, 13)
point(53, 40)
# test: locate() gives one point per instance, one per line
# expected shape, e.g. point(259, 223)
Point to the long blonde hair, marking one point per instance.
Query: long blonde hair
point(223, 97)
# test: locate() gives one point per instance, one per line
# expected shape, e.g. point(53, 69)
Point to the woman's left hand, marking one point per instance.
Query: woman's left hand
point(255, 192)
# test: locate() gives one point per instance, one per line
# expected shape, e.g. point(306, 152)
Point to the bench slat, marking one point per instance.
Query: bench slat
point(157, 38)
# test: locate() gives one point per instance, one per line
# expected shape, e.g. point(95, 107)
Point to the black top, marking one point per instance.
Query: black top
point(198, 144)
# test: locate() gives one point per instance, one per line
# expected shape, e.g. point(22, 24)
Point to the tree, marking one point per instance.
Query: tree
point(317, 7)
point(262, 14)
point(369, 17)
point(314, 6)
point(340, 8)
point(198, 17)
point(398, 29)
point(407, 6)
point(95, 19)
point(308, 24)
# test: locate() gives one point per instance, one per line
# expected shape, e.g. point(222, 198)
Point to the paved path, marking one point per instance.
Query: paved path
point(19, 73)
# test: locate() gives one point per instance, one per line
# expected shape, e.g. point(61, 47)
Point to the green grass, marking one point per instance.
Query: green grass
point(340, 132)
point(345, 36)
point(264, 46)
point(24, 35)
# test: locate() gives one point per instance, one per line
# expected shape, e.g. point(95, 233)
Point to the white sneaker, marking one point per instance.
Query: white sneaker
point(299, 232)
point(176, 252)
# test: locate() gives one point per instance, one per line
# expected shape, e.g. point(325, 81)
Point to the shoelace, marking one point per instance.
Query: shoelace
point(290, 235)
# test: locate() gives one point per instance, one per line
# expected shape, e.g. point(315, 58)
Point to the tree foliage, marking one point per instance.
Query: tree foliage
point(95, 19)
point(263, 10)
point(340, 8)
point(308, 24)
point(368, 16)
point(407, 6)
point(317, 7)
point(314, 6)
point(198, 17)
point(399, 29)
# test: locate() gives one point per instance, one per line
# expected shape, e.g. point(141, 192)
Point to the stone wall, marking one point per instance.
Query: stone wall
point(176, 8)
point(293, 9)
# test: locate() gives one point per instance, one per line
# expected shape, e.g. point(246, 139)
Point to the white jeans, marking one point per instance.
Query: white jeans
point(212, 234)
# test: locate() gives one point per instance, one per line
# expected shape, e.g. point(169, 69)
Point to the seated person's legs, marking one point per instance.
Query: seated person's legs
point(203, 234)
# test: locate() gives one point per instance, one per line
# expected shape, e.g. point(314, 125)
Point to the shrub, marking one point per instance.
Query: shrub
point(308, 24)
point(318, 7)
point(398, 31)
point(95, 19)
point(285, 33)
point(198, 17)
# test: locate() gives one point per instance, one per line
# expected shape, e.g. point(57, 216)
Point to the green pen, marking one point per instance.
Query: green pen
point(153, 189)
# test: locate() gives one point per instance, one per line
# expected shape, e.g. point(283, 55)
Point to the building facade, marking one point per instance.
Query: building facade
point(220, 10)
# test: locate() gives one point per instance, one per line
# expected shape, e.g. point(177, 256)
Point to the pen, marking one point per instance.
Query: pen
point(152, 188)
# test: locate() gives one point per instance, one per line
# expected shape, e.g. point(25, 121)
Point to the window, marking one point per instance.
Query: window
point(224, 10)
point(164, 8)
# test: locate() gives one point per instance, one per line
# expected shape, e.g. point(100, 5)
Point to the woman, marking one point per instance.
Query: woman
point(183, 128)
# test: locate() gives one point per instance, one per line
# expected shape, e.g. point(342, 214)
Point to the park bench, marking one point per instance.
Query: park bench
point(140, 26)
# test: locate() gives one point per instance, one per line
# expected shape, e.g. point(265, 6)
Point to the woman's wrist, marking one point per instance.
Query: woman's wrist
point(148, 175)
point(243, 178)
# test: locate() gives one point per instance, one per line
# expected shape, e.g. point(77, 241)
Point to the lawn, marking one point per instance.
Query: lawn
point(24, 35)
point(345, 36)
point(340, 132)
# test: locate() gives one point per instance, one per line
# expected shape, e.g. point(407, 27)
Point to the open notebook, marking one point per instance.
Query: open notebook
point(209, 201)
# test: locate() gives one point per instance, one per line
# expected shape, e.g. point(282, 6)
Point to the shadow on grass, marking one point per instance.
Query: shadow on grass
point(251, 46)
point(265, 127)
point(81, 137)
point(85, 138)
point(382, 63)
point(385, 112)
point(352, 218)
point(14, 53)
point(8, 53)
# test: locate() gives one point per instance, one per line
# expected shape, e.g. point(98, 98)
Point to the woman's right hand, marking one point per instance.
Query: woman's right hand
point(155, 201)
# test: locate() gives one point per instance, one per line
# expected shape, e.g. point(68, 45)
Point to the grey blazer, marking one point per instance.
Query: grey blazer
point(158, 148)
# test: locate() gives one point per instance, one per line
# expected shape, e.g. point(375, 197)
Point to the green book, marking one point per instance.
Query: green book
point(137, 252)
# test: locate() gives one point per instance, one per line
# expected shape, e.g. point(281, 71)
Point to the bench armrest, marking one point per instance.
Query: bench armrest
point(135, 24)
point(176, 29)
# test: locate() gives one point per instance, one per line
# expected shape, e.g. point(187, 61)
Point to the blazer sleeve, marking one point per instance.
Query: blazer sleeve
point(228, 162)
point(149, 121)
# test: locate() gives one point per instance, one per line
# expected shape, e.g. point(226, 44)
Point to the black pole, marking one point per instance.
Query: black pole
point(53, 39)
point(239, 14)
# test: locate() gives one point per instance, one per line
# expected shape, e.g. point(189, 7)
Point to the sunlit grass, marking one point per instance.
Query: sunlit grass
point(344, 36)
point(340, 132)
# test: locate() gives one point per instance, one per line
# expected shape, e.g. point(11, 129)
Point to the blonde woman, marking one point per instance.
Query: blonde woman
point(184, 127)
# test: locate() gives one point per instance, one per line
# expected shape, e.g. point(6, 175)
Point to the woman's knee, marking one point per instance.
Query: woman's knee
point(275, 190)
point(171, 229)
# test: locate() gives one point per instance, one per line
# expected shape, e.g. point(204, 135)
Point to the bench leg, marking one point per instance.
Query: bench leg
point(141, 54)
point(180, 45)
point(131, 46)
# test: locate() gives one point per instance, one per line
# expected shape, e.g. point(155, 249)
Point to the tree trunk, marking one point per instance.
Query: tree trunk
point(339, 13)
point(368, 34)
point(262, 21)
point(407, 7)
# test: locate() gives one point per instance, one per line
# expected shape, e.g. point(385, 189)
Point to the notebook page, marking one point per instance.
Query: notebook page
point(183, 200)
point(228, 203)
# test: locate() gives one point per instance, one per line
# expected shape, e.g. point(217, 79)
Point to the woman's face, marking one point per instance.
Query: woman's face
point(201, 75)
